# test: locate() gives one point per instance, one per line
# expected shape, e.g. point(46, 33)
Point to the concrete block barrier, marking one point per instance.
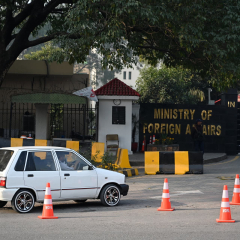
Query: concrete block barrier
point(178, 162)
point(129, 172)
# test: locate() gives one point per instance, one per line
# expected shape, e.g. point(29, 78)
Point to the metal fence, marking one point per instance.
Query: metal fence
point(77, 121)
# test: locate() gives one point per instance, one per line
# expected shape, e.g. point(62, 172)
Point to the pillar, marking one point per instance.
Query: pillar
point(41, 127)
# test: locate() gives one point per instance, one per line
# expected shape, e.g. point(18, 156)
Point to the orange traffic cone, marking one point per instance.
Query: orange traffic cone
point(166, 204)
point(225, 212)
point(236, 192)
point(47, 212)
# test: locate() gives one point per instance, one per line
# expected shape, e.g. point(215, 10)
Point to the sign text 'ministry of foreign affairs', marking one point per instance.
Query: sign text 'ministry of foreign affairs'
point(179, 114)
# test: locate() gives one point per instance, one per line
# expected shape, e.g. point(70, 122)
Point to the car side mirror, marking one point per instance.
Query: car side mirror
point(90, 167)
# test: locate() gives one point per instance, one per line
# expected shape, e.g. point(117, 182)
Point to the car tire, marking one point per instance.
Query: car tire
point(23, 201)
point(110, 195)
point(80, 201)
point(2, 204)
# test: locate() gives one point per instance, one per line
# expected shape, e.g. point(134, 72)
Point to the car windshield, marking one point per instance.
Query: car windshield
point(5, 156)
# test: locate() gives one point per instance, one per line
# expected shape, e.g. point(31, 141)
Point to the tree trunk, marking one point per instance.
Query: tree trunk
point(5, 65)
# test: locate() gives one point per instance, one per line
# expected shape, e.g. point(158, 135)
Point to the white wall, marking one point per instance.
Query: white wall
point(106, 127)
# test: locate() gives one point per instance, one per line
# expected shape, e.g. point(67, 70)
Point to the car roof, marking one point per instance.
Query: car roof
point(34, 148)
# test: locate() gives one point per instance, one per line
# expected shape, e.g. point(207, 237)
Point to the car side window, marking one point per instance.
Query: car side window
point(71, 162)
point(40, 161)
point(21, 162)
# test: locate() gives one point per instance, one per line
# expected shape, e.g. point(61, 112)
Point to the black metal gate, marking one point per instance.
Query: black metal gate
point(76, 121)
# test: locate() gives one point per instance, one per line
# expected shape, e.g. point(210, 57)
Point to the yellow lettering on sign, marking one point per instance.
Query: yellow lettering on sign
point(150, 128)
point(166, 113)
point(144, 127)
point(188, 129)
point(208, 128)
point(192, 113)
point(186, 114)
point(156, 128)
point(231, 104)
point(163, 127)
point(204, 114)
point(177, 128)
point(175, 115)
point(156, 113)
point(218, 133)
point(166, 128)
point(213, 129)
point(170, 113)
point(209, 114)
point(204, 129)
point(180, 111)
point(171, 128)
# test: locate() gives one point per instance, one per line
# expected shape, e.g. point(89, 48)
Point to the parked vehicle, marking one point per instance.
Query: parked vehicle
point(25, 171)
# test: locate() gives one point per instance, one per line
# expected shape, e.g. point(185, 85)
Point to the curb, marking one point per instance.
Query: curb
point(129, 172)
point(217, 159)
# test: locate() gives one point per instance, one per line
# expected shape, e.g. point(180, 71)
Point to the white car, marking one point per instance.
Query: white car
point(25, 171)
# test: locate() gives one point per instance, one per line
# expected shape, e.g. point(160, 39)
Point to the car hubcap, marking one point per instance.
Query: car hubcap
point(24, 202)
point(112, 196)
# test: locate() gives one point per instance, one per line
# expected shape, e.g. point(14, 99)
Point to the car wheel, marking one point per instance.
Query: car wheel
point(80, 201)
point(2, 204)
point(23, 201)
point(110, 195)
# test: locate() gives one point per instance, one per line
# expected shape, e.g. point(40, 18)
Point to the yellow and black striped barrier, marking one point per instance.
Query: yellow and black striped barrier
point(178, 162)
point(129, 172)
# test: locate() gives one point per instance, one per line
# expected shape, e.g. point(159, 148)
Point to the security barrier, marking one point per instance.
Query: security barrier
point(73, 145)
point(40, 142)
point(178, 162)
point(97, 151)
point(123, 159)
point(16, 142)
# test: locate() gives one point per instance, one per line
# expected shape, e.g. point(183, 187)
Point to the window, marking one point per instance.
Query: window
point(118, 115)
point(70, 161)
point(129, 75)
point(5, 156)
point(124, 75)
point(40, 161)
point(19, 167)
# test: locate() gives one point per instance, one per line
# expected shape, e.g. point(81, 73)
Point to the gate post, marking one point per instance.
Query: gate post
point(229, 99)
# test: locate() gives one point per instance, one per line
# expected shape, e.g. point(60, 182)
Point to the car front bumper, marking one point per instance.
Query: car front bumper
point(124, 189)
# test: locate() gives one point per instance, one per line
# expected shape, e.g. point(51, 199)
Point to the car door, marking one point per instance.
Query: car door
point(41, 169)
point(78, 181)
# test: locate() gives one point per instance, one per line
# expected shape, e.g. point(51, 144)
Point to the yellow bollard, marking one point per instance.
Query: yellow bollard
point(73, 145)
point(97, 151)
point(151, 162)
point(124, 159)
point(181, 162)
point(16, 142)
point(40, 142)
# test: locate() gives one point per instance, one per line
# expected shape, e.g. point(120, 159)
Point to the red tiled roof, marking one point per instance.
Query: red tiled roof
point(116, 87)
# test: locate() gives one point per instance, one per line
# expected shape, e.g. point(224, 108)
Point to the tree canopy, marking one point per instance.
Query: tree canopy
point(170, 85)
point(200, 35)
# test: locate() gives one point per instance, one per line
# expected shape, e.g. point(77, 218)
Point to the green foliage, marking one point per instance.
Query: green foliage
point(198, 35)
point(48, 52)
point(170, 85)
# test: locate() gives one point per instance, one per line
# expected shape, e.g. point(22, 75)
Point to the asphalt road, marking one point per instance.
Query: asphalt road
point(196, 198)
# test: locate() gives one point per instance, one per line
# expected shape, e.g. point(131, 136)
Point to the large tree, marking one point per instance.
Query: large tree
point(201, 34)
point(170, 85)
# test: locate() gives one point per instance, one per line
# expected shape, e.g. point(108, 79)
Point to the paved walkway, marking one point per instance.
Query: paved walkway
point(137, 159)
